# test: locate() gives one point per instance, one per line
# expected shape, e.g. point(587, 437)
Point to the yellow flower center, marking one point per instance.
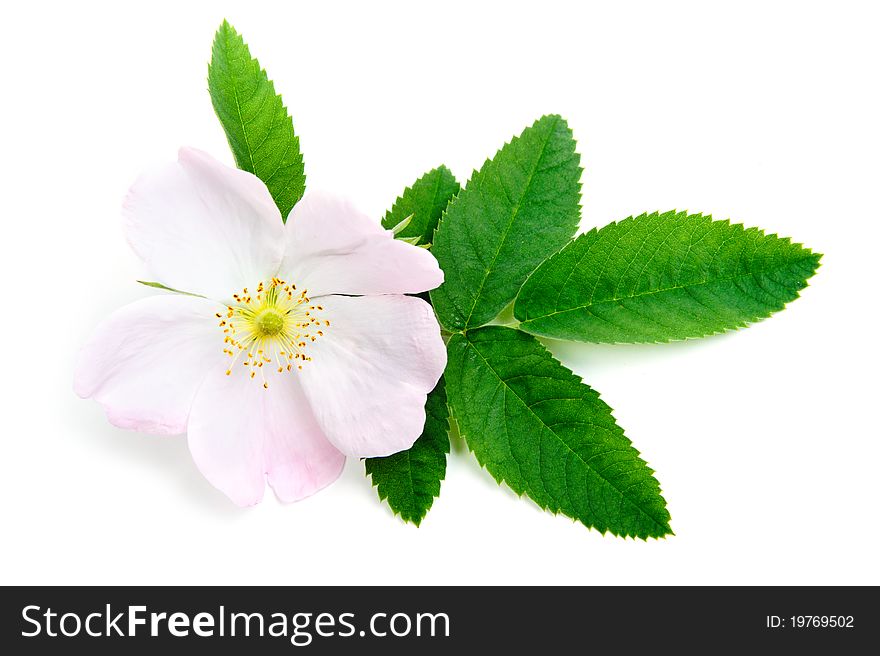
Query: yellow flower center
point(271, 328)
point(269, 322)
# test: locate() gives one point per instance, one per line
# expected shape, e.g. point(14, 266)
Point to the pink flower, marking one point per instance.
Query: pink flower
point(300, 347)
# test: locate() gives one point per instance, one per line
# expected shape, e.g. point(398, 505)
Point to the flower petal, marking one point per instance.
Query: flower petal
point(371, 371)
point(203, 227)
point(332, 248)
point(239, 433)
point(146, 361)
point(298, 458)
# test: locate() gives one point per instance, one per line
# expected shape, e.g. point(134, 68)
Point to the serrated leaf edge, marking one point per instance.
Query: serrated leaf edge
point(474, 179)
point(440, 168)
point(228, 29)
point(417, 520)
point(502, 481)
point(807, 252)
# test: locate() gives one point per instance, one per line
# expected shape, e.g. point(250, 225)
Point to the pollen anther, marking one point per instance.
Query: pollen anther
point(271, 326)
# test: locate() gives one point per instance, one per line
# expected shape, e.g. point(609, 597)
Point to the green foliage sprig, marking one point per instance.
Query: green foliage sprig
point(506, 240)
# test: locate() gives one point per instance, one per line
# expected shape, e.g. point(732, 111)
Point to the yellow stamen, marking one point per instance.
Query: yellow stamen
point(272, 326)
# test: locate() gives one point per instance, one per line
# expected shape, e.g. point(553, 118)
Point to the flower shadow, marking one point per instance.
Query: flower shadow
point(168, 455)
point(611, 356)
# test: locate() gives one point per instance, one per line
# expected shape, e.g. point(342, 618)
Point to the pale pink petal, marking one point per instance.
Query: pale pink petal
point(203, 227)
point(239, 433)
point(371, 371)
point(298, 459)
point(146, 361)
point(332, 248)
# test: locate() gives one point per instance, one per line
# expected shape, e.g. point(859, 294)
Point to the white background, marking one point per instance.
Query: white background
point(765, 441)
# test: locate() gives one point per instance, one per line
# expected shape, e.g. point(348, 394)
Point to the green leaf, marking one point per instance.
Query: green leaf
point(257, 125)
point(159, 285)
point(515, 211)
point(662, 277)
point(535, 426)
point(422, 204)
point(410, 480)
